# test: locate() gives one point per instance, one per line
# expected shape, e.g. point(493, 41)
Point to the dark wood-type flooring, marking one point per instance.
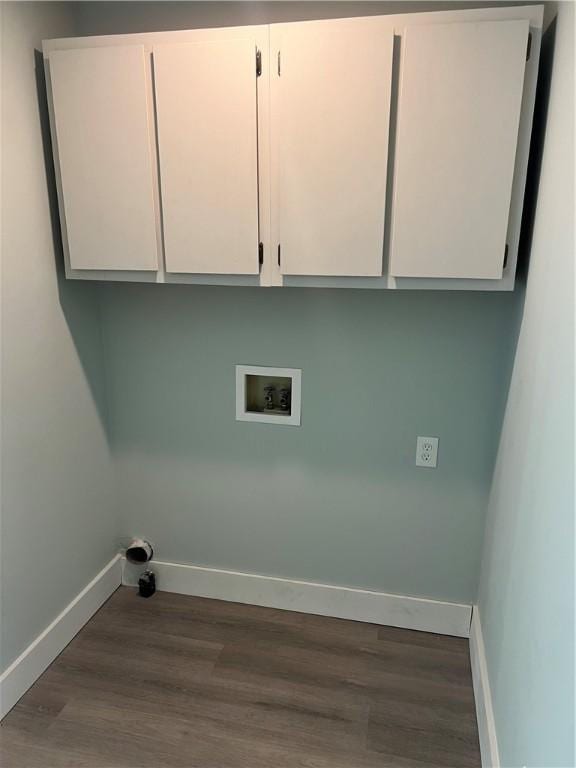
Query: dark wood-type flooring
point(188, 682)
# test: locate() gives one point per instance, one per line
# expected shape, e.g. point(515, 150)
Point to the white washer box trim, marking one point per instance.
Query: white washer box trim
point(243, 414)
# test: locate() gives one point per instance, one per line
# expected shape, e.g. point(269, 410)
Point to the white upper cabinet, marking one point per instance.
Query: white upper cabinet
point(459, 105)
point(206, 112)
point(104, 148)
point(330, 118)
point(376, 152)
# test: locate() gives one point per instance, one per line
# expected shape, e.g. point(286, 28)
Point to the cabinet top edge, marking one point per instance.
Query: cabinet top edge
point(533, 13)
point(150, 38)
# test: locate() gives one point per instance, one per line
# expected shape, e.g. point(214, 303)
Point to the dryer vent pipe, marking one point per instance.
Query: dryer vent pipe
point(139, 551)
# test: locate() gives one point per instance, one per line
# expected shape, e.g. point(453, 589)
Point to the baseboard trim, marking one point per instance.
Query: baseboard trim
point(307, 597)
point(482, 695)
point(28, 667)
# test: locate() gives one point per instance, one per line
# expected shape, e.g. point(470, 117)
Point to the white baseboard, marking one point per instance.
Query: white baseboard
point(482, 696)
point(306, 597)
point(28, 667)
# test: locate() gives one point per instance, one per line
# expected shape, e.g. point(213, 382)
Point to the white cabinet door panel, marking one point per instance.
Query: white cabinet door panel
point(207, 139)
point(105, 157)
point(458, 116)
point(331, 107)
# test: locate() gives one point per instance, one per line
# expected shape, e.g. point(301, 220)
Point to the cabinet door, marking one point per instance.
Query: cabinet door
point(331, 108)
point(458, 116)
point(207, 138)
point(100, 119)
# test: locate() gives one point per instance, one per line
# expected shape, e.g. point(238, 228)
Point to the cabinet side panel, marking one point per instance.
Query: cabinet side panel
point(102, 129)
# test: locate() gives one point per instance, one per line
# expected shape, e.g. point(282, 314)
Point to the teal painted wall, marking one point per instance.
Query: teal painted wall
point(338, 500)
point(526, 599)
point(58, 511)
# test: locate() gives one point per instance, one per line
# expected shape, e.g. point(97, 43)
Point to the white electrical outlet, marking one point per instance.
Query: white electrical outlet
point(427, 452)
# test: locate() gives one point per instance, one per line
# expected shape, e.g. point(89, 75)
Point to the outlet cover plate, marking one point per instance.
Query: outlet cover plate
point(427, 452)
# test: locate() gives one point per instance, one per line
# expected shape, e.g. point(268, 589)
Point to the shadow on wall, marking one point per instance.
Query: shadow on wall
point(536, 151)
point(79, 300)
point(533, 178)
point(102, 17)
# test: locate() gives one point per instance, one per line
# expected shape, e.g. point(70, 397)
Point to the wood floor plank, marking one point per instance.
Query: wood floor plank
point(182, 682)
point(318, 720)
point(425, 639)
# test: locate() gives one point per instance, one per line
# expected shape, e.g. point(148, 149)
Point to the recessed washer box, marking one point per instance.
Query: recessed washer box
point(268, 395)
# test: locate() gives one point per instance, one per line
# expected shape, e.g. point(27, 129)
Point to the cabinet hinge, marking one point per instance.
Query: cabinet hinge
point(529, 46)
point(279, 64)
point(258, 62)
point(260, 253)
point(505, 263)
point(278, 254)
